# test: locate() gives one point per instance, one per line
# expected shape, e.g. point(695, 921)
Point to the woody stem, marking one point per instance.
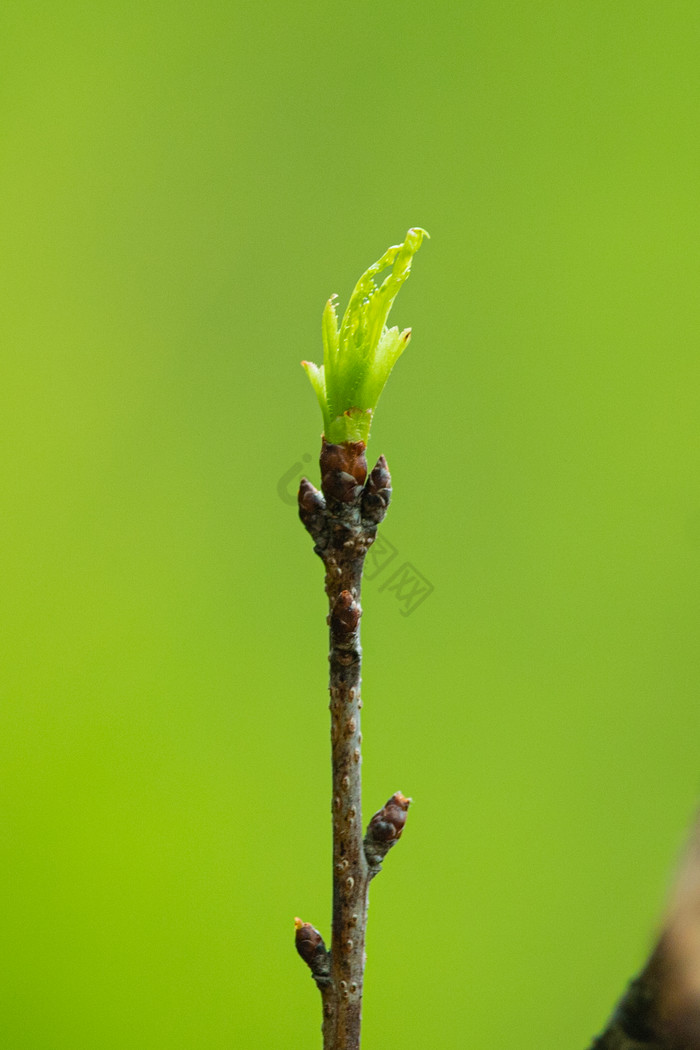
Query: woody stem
point(343, 523)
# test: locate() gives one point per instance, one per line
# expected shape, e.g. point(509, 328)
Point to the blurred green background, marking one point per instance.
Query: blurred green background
point(182, 187)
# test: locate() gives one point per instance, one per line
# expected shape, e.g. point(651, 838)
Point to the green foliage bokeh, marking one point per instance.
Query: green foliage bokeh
point(183, 187)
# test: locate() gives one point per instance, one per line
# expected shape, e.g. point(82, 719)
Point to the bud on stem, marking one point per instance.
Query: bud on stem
point(384, 830)
point(309, 943)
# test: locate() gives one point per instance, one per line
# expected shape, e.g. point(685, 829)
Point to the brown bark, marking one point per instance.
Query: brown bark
point(342, 520)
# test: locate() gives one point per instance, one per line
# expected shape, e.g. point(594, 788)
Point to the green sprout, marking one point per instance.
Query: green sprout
point(358, 357)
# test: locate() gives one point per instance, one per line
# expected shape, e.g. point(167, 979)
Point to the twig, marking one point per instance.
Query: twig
point(342, 520)
point(660, 1009)
point(358, 356)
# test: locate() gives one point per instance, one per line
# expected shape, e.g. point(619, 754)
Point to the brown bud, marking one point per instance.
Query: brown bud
point(343, 470)
point(377, 492)
point(391, 818)
point(340, 486)
point(385, 828)
point(308, 940)
point(311, 502)
point(345, 615)
point(309, 944)
point(312, 511)
point(348, 456)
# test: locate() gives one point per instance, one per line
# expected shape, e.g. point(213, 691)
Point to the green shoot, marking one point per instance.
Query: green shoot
point(358, 357)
